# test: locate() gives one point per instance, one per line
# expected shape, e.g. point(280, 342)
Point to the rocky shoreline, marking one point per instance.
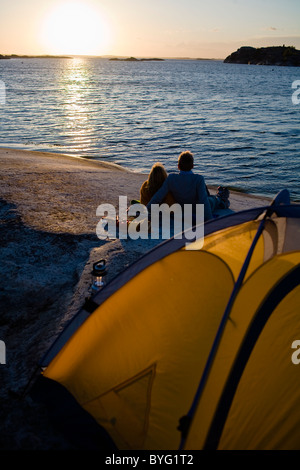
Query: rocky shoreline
point(15, 56)
point(275, 55)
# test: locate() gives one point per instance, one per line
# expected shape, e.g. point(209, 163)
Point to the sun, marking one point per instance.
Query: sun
point(75, 28)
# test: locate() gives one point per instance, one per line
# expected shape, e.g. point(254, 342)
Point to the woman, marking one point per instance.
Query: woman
point(155, 180)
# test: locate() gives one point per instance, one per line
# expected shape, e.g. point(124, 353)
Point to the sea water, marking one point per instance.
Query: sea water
point(240, 121)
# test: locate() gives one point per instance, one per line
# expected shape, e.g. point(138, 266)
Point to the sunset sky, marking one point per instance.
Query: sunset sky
point(156, 28)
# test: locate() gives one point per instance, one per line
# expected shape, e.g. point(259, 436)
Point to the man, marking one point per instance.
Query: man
point(189, 188)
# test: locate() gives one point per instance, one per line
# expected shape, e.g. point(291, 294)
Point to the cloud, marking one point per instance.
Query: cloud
point(270, 28)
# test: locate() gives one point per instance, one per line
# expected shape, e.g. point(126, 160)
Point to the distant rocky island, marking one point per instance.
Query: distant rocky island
point(274, 55)
point(15, 56)
point(133, 59)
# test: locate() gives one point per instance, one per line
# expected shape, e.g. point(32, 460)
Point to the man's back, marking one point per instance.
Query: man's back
point(187, 188)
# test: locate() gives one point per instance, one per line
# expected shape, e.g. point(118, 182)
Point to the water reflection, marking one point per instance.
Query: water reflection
point(76, 103)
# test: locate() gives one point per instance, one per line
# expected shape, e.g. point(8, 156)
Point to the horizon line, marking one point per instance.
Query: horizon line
point(108, 56)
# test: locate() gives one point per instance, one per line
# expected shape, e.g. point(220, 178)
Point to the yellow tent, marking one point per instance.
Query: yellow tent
point(191, 347)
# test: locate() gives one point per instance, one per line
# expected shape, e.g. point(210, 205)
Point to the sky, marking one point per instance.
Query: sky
point(146, 28)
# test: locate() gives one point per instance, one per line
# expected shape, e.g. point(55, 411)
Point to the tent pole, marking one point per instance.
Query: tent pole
point(185, 421)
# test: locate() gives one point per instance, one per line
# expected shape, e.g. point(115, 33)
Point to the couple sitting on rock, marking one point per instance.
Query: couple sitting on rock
point(184, 187)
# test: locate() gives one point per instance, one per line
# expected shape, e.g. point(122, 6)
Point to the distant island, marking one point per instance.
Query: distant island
point(133, 59)
point(15, 56)
point(274, 55)
point(109, 57)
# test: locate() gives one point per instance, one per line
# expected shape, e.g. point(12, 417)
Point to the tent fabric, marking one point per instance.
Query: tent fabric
point(139, 328)
point(260, 427)
point(165, 248)
point(242, 315)
point(136, 363)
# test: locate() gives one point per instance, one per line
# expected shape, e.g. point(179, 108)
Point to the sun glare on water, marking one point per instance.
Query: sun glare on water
point(76, 29)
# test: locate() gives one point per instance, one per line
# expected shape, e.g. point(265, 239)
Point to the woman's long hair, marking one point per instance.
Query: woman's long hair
point(156, 178)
